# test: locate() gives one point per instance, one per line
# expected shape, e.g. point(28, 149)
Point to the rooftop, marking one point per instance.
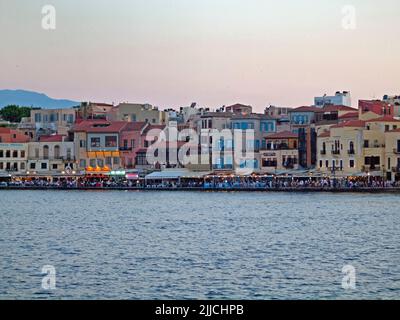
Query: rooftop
point(282, 135)
point(99, 126)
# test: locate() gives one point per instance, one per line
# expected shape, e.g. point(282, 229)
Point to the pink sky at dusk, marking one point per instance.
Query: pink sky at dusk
point(171, 53)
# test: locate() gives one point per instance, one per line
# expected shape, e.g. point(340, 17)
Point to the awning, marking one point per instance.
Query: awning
point(175, 175)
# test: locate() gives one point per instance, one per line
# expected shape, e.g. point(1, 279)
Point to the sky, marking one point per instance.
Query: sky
point(171, 53)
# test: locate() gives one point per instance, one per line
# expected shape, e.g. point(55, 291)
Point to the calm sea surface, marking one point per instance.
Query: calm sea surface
point(194, 245)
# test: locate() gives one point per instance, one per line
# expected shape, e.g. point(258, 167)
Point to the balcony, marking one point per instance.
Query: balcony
point(336, 152)
point(323, 152)
point(125, 148)
point(396, 151)
point(374, 146)
point(277, 147)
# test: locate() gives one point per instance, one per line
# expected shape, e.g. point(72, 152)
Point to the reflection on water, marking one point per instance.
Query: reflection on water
point(182, 245)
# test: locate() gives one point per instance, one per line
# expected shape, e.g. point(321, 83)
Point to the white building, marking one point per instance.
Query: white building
point(339, 99)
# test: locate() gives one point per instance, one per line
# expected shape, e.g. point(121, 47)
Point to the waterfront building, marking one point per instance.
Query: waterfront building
point(392, 154)
point(131, 143)
point(51, 155)
point(370, 109)
point(44, 122)
point(360, 147)
point(239, 108)
point(97, 145)
point(395, 102)
point(340, 149)
point(263, 125)
point(93, 111)
point(280, 152)
point(13, 151)
point(340, 98)
point(278, 112)
point(134, 112)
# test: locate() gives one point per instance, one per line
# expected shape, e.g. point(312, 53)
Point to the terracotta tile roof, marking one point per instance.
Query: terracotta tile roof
point(282, 135)
point(349, 115)
point(306, 109)
point(330, 108)
point(325, 134)
point(351, 124)
point(135, 126)
point(97, 126)
point(384, 119)
point(54, 138)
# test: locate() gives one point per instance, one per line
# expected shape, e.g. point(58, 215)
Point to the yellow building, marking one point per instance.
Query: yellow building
point(356, 148)
point(134, 112)
point(392, 152)
point(280, 152)
point(339, 150)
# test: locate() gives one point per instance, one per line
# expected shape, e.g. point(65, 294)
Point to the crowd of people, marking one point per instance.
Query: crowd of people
point(211, 183)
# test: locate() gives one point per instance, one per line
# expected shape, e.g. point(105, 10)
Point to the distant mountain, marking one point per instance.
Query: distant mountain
point(33, 99)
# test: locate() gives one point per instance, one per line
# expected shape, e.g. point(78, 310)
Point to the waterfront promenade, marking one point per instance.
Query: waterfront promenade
point(393, 190)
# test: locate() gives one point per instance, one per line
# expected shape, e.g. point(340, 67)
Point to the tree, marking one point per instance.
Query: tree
point(14, 113)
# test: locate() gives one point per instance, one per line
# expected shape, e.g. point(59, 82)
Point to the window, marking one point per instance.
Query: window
point(15, 154)
point(320, 163)
point(108, 161)
point(111, 141)
point(82, 163)
point(22, 154)
point(141, 159)
point(1, 154)
point(43, 165)
point(93, 163)
point(133, 143)
point(116, 161)
point(38, 117)
point(327, 163)
point(95, 142)
point(45, 152)
point(57, 153)
point(82, 143)
point(54, 166)
point(100, 163)
point(69, 154)
point(351, 163)
point(32, 166)
point(22, 166)
point(8, 154)
point(366, 143)
point(1, 166)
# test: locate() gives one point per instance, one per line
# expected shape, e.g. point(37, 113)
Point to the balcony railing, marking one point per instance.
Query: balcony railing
point(336, 152)
point(376, 145)
point(351, 152)
point(222, 167)
point(323, 152)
